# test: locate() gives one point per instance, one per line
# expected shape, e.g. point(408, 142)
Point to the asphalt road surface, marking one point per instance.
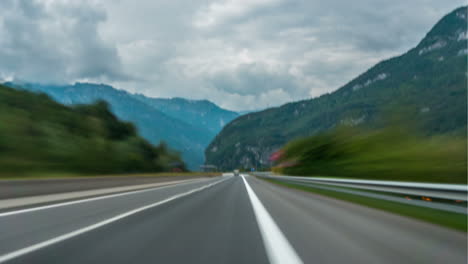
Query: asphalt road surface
point(221, 220)
point(24, 188)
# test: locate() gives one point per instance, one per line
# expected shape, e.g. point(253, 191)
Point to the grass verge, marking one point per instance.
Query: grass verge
point(439, 217)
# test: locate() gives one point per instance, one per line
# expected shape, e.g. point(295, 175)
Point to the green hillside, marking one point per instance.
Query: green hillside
point(38, 135)
point(425, 86)
point(185, 125)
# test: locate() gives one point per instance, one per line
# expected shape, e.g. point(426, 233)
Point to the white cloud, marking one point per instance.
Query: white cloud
point(219, 11)
point(55, 41)
point(244, 54)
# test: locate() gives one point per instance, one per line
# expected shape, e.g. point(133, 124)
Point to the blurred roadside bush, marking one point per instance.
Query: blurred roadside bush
point(39, 135)
point(391, 153)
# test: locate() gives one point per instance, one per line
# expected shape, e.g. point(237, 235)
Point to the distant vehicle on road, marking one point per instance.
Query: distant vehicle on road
point(236, 172)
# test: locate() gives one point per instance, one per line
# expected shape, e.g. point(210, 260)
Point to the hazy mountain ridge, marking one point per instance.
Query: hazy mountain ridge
point(198, 113)
point(152, 123)
point(427, 85)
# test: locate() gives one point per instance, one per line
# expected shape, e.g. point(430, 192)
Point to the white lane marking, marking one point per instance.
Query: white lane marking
point(61, 197)
point(277, 246)
point(49, 242)
point(27, 210)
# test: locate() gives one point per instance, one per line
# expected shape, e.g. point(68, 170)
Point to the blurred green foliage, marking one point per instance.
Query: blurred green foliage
point(40, 135)
point(394, 153)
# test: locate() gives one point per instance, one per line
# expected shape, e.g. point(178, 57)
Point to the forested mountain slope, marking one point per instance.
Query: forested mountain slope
point(426, 86)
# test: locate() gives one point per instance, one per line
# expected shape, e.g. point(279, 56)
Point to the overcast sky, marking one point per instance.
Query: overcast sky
point(240, 54)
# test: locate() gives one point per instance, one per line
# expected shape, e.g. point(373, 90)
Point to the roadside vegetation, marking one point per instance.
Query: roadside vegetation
point(392, 153)
point(39, 136)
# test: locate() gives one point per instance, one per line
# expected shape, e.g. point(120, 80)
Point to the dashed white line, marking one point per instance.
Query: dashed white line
point(277, 246)
point(49, 242)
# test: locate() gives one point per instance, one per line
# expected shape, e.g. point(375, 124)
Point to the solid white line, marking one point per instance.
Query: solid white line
point(36, 200)
point(277, 246)
point(49, 242)
point(89, 199)
point(27, 210)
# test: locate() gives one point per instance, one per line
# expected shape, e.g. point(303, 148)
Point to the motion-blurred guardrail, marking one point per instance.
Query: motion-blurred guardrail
point(453, 192)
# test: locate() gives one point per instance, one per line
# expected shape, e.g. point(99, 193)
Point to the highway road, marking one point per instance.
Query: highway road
point(221, 220)
point(32, 187)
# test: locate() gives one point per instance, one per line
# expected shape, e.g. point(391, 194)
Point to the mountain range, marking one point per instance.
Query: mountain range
point(185, 125)
point(426, 87)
